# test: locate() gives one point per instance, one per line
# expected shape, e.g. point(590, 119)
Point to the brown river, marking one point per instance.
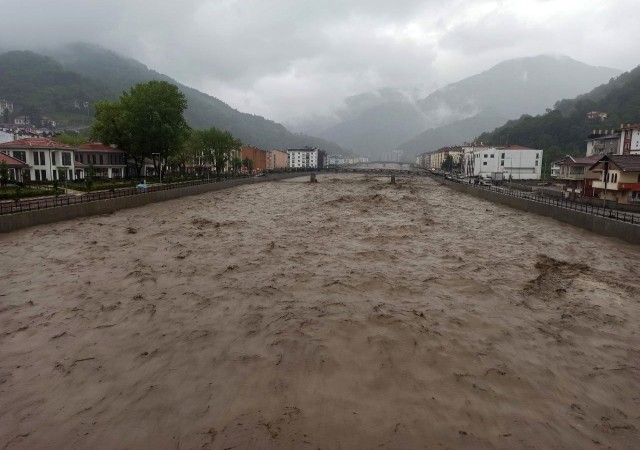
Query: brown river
point(344, 314)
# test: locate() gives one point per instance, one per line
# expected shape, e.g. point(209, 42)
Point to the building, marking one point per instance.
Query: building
point(303, 157)
point(597, 115)
point(15, 166)
point(5, 106)
point(47, 159)
point(47, 122)
point(576, 176)
point(629, 140)
point(618, 178)
point(513, 162)
point(259, 157)
point(603, 142)
point(105, 161)
point(276, 159)
point(555, 168)
point(21, 120)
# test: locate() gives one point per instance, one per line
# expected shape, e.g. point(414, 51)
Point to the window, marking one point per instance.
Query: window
point(537, 155)
point(502, 163)
point(536, 163)
point(101, 162)
point(492, 155)
point(485, 155)
point(42, 161)
point(66, 159)
point(484, 163)
point(93, 157)
point(37, 175)
point(22, 156)
point(36, 161)
point(503, 156)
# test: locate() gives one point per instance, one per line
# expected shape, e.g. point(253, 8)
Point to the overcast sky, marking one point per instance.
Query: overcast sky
point(287, 58)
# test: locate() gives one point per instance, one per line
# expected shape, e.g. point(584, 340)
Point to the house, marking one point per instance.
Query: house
point(555, 168)
point(597, 115)
point(15, 166)
point(47, 122)
point(105, 161)
point(619, 178)
point(303, 157)
point(513, 162)
point(47, 159)
point(21, 120)
point(576, 177)
point(276, 159)
point(259, 157)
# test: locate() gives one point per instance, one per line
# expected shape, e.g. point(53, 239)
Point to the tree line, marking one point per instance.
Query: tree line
point(147, 122)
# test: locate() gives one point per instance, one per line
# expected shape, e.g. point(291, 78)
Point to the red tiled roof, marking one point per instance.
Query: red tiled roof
point(97, 147)
point(35, 143)
point(631, 126)
point(11, 161)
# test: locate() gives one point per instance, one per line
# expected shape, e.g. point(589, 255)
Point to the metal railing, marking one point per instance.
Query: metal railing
point(13, 207)
point(623, 216)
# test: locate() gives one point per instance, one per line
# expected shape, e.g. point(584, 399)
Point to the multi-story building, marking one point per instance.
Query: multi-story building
point(629, 140)
point(603, 142)
point(576, 176)
point(259, 157)
point(618, 178)
point(105, 161)
point(303, 157)
point(276, 159)
point(47, 159)
point(513, 162)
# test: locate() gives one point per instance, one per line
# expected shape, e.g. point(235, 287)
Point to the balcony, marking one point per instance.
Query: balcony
point(629, 186)
point(610, 186)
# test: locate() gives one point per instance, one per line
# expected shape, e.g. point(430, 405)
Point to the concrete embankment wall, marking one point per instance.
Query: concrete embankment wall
point(601, 225)
point(12, 222)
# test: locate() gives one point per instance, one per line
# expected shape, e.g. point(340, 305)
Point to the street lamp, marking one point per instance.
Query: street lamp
point(159, 165)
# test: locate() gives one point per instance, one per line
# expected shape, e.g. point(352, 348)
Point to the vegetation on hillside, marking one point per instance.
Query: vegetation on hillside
point(563, 130)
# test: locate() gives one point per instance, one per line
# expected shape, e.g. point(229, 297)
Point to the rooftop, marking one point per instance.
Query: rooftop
point(11, 162)
point(35, 143)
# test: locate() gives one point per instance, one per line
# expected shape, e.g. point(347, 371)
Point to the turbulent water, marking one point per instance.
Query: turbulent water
point(348, 313)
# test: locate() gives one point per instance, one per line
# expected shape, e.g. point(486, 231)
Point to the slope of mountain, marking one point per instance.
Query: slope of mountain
point(563, 130)
point(458, 132)
point(33, 81)
point(99, 74)
point(509, 89)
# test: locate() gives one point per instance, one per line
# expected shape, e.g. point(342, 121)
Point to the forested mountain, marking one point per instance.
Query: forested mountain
point(563, 130)
point(507, 90)
point(90, 73)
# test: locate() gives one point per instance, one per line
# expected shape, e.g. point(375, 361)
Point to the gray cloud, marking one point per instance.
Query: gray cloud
point(287, 59)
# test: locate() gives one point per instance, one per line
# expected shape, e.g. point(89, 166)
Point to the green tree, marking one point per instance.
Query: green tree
point(216, 147)
point(146, 120)
point(236, 164)
point(248, 163)
point(4, 174)
point(70, 139)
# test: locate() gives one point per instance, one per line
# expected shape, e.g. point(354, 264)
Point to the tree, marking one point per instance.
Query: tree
point(236, 164)
point(146, 120)
point(4, 174)
point(248, 163)
point(216, 147)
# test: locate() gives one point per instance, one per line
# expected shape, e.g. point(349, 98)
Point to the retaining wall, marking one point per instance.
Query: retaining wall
point(597, 224)
point(12, 222)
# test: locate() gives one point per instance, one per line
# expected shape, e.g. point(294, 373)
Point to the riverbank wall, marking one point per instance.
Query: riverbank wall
point(597, 224)
point(13, 222)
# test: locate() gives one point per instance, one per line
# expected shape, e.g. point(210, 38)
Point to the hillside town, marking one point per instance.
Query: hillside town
point(609, 169)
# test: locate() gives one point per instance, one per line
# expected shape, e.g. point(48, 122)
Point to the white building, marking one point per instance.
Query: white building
point(513, 162)
point(47, 159)
point(5, 105)
point(303, 157)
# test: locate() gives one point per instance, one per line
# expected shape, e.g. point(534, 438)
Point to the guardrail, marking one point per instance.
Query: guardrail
point(622, 216)
point(13, 207)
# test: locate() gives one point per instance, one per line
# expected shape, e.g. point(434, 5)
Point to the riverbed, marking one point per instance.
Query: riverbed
point(348, 313)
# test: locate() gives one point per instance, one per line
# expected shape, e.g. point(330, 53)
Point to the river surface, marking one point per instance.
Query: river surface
point(348, 313)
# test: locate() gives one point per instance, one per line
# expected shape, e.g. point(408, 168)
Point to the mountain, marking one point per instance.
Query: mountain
point(563, 130)
point(458, 132)
point(100, 74)
point(509, 89)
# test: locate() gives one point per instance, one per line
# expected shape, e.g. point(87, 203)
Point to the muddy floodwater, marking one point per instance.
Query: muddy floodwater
point(344, 314)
